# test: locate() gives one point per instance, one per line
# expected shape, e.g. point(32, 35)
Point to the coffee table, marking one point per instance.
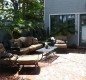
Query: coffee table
point(46, 52)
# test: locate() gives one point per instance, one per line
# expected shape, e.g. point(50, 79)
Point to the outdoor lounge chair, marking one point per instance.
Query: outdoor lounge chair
point(13, 59)
point(61, 42)
point(58, 41)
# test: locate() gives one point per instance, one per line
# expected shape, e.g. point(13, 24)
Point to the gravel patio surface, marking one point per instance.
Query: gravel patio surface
point(70, 66)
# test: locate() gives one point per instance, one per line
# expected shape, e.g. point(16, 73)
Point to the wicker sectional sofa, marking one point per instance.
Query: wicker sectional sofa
point(27, 44)
point(14, 59)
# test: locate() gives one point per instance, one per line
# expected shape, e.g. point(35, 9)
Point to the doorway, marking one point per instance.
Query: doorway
point(82, 30)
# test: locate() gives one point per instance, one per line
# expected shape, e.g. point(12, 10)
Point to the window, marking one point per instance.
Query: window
point(62, 24)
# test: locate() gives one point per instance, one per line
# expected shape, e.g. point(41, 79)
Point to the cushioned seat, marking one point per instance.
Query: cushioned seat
point(18, 59)
point(35, 47)
point(30, 48)
point(21, 60)
point(61, 42)
point(28, 60)
point(61, 45)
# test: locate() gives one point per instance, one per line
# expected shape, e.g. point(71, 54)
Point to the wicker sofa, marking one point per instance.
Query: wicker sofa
point(14, 59)
point(26, 44)
point(61, 41)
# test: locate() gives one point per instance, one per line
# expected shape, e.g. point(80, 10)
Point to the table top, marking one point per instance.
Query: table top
point(49, 49)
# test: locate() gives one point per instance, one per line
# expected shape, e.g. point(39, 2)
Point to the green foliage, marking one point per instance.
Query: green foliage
point(66, 29)
point(18, 18)
point(63, 28)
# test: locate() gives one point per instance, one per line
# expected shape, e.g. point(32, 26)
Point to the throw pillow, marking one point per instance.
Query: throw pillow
point(60, 42)
point(23, 41)
point(35, 41)
point(18, 42)
point(29, 41)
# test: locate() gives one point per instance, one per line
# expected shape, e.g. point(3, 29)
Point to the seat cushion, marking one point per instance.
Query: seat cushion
point(24, 50)
point(35, 47)
point(28, 59)
point(61, 45)
point(30, 48)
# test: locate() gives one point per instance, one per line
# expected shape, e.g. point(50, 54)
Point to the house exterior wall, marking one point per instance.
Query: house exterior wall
point(65, 7)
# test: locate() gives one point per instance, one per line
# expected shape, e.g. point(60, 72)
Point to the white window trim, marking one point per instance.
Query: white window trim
point(66, 14)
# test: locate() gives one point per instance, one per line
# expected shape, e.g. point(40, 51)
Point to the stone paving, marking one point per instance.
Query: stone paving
point(70, 66)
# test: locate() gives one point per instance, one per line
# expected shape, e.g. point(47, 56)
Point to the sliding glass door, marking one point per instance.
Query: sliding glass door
point(82, 30)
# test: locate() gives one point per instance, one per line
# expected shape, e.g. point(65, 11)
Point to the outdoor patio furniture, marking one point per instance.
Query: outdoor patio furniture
point(46, 51)
point(13, 59)
point(61, 41)
point(27, 44)
point(28, 60)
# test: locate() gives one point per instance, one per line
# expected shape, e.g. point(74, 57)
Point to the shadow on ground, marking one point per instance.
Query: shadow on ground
point(29, 71)
point(12, 73)
point(7, 73)
point(71, 50)
point(26, 70)
point(8, 70)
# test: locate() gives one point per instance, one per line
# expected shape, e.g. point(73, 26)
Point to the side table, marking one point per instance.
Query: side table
point(47, 52)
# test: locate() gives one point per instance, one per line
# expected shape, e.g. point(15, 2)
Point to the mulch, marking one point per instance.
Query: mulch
point(71, 50)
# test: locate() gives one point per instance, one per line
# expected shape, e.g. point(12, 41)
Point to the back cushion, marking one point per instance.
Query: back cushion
point(16, 43)
point(26, 41)
point(64, 38)
point(35, 40)
point(19, 42)
point(23, 41)
point(60, 42)
point(29, 41)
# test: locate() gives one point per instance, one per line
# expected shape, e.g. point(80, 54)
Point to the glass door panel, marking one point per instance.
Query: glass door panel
point(82, 30)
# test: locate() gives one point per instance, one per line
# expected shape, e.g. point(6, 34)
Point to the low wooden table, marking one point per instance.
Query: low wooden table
point(47, 52)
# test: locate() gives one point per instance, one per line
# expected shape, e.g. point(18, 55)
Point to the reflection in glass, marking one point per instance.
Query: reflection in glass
point(61, 24)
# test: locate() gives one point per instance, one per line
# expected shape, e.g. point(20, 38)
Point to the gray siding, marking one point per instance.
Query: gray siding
point(63, 6)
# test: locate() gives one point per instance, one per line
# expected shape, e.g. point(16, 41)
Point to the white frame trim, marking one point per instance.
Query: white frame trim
point(58, 14)
point(78, 19)
point(44, 15)
point(78, 27)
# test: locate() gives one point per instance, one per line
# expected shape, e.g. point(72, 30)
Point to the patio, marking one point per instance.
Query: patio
point(70, 66)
